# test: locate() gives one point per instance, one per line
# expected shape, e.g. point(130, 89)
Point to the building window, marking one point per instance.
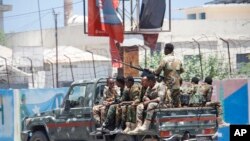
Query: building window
point(202, 16)
point(242, 59)
point(191, 16)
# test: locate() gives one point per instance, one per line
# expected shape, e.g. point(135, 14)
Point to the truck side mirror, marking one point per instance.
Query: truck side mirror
point(67, 105)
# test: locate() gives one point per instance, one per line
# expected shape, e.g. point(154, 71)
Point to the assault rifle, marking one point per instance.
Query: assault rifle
point(144, 71)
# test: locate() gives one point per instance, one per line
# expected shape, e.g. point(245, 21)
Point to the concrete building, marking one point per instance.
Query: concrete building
point(232, 11)
point(3, 8)
point(213, 24)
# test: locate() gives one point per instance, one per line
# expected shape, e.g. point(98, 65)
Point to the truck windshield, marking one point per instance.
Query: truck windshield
point(76, 92)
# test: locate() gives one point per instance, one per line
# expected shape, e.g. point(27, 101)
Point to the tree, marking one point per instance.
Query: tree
point(212, 66)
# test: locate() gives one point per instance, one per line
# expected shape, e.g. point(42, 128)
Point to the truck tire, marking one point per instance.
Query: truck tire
point(123, 137)
point(39, 136)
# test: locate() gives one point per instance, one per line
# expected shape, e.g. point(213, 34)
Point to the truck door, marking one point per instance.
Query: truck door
point(76, 123)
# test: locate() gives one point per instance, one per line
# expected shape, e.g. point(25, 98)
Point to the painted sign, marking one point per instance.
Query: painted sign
point(6, 115)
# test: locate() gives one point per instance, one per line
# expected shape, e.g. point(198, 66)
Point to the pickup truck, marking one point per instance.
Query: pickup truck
point(74, 120)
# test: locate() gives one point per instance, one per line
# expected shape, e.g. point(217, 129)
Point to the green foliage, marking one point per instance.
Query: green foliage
point(212, 66)
point(2, 38)
point(154, 60)
point(244, 69)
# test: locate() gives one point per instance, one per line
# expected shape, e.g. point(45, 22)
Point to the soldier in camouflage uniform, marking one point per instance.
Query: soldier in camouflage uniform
point(196, 91)
point(129, 109)
point(207, 94)
point(153, 96)
point(172, 68)
point(109, 95)
point(114, 108)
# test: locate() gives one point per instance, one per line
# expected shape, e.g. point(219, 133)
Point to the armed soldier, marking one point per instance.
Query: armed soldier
point(109, 95)
point(172, 68)
point(153, 96)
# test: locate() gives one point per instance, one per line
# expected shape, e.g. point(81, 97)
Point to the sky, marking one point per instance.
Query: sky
point(24, 15)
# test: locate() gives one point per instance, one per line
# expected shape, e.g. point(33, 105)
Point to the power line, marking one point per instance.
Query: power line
point(35, 12)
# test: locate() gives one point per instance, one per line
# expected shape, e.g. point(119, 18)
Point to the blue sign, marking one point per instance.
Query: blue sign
point(35, 101)
point(6, 115)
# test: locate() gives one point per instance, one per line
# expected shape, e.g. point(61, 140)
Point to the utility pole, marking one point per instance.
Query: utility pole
point(200, 57)
point(40, 22)
point(228, 53)
point(56, 37)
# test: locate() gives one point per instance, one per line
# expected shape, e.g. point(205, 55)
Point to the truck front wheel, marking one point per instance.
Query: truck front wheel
point(39, 136)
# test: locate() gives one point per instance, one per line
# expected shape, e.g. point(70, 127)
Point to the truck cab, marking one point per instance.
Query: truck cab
point(74, 120)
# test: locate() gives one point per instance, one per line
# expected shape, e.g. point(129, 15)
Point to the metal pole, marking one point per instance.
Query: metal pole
point(84, 18)
point(123, 13)
point(31, 70)
point(72, 75)
point(228, 53)
point(56, 37)
point(169, 19)
point(52, 73)
point(6, 68)
point(93, 61)
point(40, 22)
point(131, 14)
point(200, 57)
point(145, 55)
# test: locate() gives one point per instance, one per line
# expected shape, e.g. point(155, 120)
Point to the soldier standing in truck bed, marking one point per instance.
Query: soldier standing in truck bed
point(172, 68)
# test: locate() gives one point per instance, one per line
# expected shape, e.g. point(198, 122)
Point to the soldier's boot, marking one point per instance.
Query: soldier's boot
point(145, 126)
point(132, 126)
point(136, 129)
point(128, 127)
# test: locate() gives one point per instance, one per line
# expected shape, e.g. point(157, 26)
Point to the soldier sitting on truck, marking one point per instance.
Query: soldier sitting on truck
point(208, 89)
point(144, 86)
point(195, 92)
point(109, 95)
point(153, 96)
point(130, 115)
point(120, 111)
point(113, 110)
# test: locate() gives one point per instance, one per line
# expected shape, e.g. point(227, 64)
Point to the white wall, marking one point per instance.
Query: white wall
point(84, 70)
point(222, 11)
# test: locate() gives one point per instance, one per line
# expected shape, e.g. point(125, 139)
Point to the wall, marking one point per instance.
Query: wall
point(221, 11)
point(182, 30)
point(68, 36)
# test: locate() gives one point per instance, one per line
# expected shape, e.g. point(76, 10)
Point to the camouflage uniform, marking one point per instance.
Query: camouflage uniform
point(115, 111)
point(157, 92)
point(172, 68)
point(134, 93)
point(201, 94)
point(167, 100)
point(99, 111)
